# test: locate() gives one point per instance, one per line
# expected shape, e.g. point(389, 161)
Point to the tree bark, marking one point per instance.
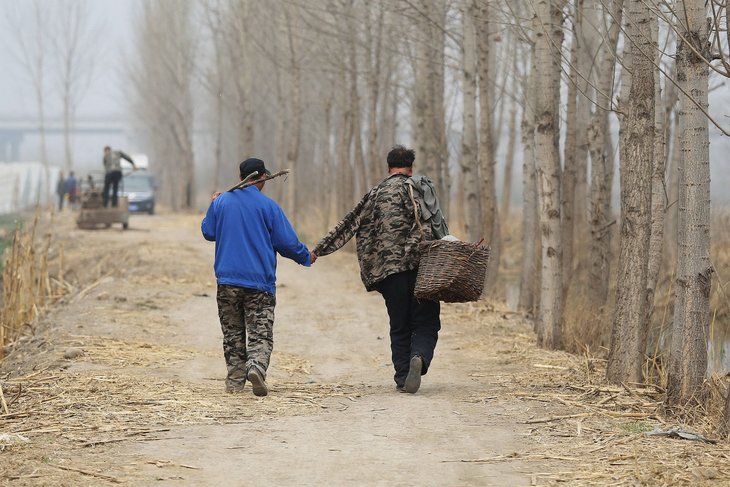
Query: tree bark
point(658, 184)
point(628, 338)
point(292, 153)
point(570, 160)
point(488, 191)
point(469, 203)
point(548, 35)
point(529, 271)
point(429, 129)
point(601, 152)
point(688, 359)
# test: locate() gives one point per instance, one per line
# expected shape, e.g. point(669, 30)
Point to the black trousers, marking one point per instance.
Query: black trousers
point(414, 323)
point(111, 181)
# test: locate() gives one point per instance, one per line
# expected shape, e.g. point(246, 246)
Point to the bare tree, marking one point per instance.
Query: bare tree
point(548, 38)
point(429, 129)
point(469, 204)
point(629, 331)
point(162, 82)
point(688, 359)
point(77, 42)
point(213, 79)
point(602, 163)
point(509, 158)
point(658, 184)
point(529, 272)
point(488, 193)
point(32, 39)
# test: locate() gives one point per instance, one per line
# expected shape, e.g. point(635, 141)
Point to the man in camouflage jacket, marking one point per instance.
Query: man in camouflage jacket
point(387, 234)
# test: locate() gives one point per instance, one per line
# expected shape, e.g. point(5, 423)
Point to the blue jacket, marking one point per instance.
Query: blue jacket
point(248, 229)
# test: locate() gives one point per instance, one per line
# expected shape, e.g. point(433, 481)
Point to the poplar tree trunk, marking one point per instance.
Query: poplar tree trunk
point(292, 153)
point(688, 359)
point(628, 338)
point(548, 35)
point(529, 273)
point(570, 161)
point(488, 191)
point(588, 41)
point(658, 185)
point(469, 179)
point(429, 129)
point(673, 157)
point(509, 162)
point(373, 56)
point(601, 151)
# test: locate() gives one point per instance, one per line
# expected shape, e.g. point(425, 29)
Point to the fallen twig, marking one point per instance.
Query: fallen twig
point(89, 473)
point(557, 418)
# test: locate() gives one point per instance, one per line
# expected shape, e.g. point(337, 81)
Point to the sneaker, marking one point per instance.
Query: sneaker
point(400, 388)
point(413, 379)
point(257, 381)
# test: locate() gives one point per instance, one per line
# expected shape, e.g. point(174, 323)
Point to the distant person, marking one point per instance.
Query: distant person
point(71, 186)
point(249, 229)
point(113, 174)
point(90, 182)
point(387, 234)
point(61, 190)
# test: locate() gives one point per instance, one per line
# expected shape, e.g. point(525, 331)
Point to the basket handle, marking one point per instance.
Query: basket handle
point(416, 210)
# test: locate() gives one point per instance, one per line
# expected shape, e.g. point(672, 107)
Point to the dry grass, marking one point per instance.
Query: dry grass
point(28, 285)
point(90, 409)
point(585, 430)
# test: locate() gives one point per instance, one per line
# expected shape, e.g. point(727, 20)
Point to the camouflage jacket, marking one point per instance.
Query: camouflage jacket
point(384, 226)
point(113, 162)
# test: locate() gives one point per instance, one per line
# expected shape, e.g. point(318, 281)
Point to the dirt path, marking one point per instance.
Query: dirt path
point(143, 403)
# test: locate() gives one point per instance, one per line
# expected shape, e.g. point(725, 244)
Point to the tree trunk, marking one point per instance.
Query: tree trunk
point(67, 152)
point(570, 156)
point(488, 192)
point(429, 130)
point(509, 162)
point(469, 170)
point(601, 151)
point(548, 36)
point(373, 56)
point(628, 338)
point(673, 157)
point(688, 359)
point(658, 184)
point(528, 274)
point(292, 153)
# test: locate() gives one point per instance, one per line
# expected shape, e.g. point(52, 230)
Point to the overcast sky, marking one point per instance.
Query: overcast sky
point(115, 17)
point(105, 97)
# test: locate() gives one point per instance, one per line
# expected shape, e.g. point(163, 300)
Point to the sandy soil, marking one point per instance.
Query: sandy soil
point(143, 403)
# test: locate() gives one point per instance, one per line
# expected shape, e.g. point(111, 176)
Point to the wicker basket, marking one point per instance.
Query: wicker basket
point(453, 272)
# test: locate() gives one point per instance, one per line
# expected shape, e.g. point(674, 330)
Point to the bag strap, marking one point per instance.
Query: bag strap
point(416, 210)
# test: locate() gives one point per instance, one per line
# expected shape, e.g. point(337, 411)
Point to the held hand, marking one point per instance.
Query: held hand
point(215, 195)
point(313, 257)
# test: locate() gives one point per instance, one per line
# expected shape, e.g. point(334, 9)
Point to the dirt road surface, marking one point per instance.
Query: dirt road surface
point(123, 382)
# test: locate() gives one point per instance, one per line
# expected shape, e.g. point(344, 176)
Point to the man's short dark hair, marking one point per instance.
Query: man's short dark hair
point(399, 156)
point(107, 148)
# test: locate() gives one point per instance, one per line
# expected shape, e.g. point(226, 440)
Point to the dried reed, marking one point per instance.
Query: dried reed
point(27, 284)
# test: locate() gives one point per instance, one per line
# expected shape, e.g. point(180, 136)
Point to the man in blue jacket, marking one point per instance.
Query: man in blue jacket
point(249, 229)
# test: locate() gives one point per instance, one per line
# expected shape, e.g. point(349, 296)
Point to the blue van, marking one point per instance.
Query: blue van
point(139, 188)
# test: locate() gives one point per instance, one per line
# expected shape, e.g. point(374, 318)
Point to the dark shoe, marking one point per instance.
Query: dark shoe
point(235, 386)
point(400, 388)
point(257, 381)
point(413, 379)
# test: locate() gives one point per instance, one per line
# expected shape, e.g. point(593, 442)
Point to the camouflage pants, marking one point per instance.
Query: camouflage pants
point(247, 322)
